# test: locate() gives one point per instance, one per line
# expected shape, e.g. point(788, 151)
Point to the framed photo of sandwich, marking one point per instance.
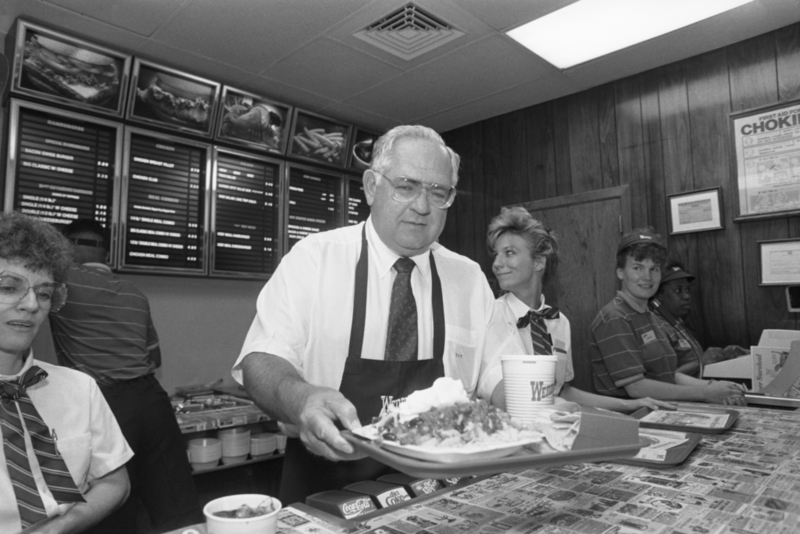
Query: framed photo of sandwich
point(360, 156)
point(250, 120)
point(318, 138)
point(168, 98)
point(55, 67)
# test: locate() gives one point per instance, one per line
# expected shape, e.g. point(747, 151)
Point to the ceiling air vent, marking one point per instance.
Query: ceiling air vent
point(409, 32)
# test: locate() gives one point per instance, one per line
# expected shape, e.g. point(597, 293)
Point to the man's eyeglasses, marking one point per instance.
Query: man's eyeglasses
point(408, 190)
point(14, 288)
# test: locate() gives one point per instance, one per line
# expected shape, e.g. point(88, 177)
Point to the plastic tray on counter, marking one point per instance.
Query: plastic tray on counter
point(675, 455)
point(523, 459)
point(733, 415)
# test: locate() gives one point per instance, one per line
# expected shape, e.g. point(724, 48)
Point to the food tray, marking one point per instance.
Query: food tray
point(675, 455)
point(733, 416)
point(488, 466)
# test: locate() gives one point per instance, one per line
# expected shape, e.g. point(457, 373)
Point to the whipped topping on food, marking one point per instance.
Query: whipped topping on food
point(444, 392)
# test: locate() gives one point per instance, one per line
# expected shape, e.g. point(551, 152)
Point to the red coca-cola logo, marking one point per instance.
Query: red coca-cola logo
point(356, 507)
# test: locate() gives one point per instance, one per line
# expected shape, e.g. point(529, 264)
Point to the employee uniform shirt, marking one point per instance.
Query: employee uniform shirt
point(504, 338)
point(687, 348)
point(304, 312)
point(628, 344)
point(86, 432)
point(105, 328)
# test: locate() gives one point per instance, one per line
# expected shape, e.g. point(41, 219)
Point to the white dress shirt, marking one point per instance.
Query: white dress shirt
point(305, 311)
point(88, 437)
point(504, 338)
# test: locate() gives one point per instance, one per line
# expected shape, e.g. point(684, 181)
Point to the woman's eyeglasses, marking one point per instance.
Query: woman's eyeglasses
point(14, 288)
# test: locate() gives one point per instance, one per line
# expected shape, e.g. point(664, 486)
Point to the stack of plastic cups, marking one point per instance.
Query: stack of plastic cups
point(204, 453)
point(263, 444)
point(235, 444)
point(530, 383)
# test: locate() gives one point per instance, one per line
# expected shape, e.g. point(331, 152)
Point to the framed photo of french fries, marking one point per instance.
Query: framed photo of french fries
point(253, 121)
point(168, 98)
point(55, 67)
point(319, 139)
point(360, 156)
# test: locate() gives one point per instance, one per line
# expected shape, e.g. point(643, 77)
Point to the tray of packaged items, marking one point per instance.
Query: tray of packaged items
point(204, 412)
point(663, 448)
point(686, 418)
point(472, 438)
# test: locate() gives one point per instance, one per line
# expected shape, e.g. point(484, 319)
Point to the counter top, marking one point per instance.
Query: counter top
point(744, 481)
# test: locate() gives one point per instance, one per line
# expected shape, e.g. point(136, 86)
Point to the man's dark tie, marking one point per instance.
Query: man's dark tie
point(14, 400)
point(542, 342)
point(402, 337)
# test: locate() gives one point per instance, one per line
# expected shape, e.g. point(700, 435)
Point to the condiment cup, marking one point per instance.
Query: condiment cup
point(263, 524)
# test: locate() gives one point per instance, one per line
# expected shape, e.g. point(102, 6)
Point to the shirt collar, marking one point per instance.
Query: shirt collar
point(25, 366)
point(632, 303)
point(520, 308)
point(386, 257)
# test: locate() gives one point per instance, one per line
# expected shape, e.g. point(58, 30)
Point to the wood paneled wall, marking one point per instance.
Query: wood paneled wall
point(662, 132)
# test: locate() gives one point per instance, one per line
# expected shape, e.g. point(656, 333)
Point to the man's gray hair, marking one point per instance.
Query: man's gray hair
point(382, 154)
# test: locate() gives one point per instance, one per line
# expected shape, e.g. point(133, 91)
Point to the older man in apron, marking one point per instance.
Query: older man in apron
point(357, 318)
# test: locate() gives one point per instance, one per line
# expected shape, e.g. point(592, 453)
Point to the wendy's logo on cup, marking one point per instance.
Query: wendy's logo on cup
point(541, 390)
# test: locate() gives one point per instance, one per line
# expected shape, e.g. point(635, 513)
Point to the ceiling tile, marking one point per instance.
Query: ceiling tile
point(455, 79)
point(125, 14)
point(191, 63)
point(251, 34)
point(507, 14)
point(282, 92)
point(521, 96)
point(363, 119)
point(327, 66)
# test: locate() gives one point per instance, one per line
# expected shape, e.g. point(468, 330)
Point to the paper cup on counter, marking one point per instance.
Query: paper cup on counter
point(530, 383)
point(281, 443)
point(261, 524)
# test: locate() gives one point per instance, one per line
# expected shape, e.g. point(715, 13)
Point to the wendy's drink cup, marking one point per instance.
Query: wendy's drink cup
point(530, 383)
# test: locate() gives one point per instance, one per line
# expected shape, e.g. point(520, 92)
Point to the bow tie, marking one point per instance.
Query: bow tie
point(13, 389)
point(534, 316)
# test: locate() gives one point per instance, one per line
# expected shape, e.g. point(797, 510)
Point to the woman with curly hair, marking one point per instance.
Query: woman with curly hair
point(63, 453)
point(525, 255)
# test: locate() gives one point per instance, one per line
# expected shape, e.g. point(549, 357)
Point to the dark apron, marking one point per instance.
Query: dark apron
point(364, 383)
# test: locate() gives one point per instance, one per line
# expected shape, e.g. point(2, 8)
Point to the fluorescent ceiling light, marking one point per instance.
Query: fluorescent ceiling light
point(589, 29)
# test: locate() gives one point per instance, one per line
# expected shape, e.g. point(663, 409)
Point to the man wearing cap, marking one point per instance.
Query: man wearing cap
point(672, 303)
point(631, 355)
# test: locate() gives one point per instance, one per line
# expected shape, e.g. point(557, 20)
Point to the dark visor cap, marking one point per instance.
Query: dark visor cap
point(675, 273)
point(639, 237)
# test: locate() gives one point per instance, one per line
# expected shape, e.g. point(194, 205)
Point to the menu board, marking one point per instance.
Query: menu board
point(246, 214)
point(314, 200)
point(61, 165)
point(357, 207)
point(164, 192)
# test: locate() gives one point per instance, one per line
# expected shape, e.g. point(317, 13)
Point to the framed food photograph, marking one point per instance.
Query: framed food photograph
point(360, 156)
point(766, 157)
point(253, 121)
point(318, 138)
point(696, 211)
point(780, 262)
point(55, 67)
point(168, 98)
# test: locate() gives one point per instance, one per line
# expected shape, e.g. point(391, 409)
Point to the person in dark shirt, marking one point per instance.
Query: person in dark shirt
point(107, 332)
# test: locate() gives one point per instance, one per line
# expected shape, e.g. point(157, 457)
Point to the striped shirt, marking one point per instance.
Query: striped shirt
point(628, 345)
point(105, 328)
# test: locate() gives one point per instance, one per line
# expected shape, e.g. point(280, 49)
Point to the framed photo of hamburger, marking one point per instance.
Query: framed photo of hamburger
point(55, 67)
point(172, 99)
point(360, 156)
point(318, 138)
point(250, 120)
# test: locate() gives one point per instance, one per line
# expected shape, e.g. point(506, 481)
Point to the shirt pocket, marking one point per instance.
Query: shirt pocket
point(461, 352)
point(77, 454)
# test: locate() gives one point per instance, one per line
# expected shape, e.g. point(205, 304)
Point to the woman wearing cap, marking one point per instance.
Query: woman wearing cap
point(631, 355)
point(62, 463)
point(672, 303)
point(525, 254)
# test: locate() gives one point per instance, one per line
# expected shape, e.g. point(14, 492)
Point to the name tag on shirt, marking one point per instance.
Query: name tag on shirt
point(648, 337)
point(684, 345)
